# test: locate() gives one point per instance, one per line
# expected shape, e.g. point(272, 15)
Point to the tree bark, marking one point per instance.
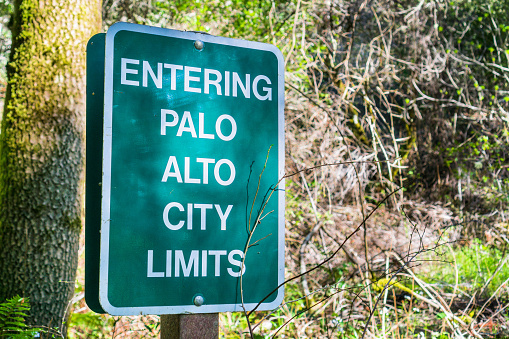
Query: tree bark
point(42, 154)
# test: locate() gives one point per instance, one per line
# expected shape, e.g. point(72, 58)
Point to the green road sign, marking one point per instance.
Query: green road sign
point(190, 189)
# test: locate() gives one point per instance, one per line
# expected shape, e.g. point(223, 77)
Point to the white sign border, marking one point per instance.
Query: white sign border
point(106, 176)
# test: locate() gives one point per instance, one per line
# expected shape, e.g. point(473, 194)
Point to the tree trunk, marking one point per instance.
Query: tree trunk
point(41, 154)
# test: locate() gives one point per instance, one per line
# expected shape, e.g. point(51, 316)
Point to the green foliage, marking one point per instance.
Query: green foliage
point(12, 319)
point(90, 325)
point(475, 150)
point(293, 211)
point(245, 18)
point(482, 160)
point(252, 20)
point(476, 263)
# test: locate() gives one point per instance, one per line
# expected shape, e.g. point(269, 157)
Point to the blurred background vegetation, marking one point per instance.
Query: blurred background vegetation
point(399, 109)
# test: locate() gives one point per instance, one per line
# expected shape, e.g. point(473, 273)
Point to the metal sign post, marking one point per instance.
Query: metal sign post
point(185, 156)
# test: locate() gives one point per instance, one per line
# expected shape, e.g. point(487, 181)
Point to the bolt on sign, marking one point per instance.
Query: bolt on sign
point(185, 160)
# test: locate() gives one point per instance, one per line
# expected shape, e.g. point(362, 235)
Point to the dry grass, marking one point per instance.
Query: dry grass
point(377, 93)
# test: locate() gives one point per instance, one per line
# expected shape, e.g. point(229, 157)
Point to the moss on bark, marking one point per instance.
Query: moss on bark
point(42, 152)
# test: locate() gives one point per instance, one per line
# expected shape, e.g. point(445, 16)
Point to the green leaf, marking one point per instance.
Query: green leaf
point(15, 323)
